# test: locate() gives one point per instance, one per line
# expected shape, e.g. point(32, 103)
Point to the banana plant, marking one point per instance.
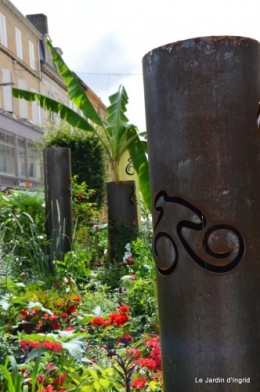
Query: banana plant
point(116, 135)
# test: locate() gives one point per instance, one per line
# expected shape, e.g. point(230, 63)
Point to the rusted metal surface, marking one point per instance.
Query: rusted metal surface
point(57, 178)
point(122, 217)
point(202, 97)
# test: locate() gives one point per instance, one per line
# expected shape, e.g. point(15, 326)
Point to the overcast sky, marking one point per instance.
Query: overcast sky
point(103, 41)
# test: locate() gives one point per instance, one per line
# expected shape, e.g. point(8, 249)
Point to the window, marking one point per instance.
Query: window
point(7, 152)
point(34, 162)
point(31, 55)
point(7, 90)
point(3, 35)
point(18, 40)
point(21, 157)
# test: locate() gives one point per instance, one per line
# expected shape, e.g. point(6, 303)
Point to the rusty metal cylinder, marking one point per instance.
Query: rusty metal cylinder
point(57, 178)
point(202, 104)
point(122, 217)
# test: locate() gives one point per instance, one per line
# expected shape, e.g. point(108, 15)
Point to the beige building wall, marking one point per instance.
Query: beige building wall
point(26, 63)
point(19, 58)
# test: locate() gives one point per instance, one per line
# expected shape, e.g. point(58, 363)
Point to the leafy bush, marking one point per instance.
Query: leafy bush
point(92, 326)
point(22, 224)
point(87, 157)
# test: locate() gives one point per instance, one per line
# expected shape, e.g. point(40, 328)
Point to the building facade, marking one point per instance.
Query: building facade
point(26, 63)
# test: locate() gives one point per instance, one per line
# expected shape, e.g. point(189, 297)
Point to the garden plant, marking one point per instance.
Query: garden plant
point(92, 326)
point(115, 133)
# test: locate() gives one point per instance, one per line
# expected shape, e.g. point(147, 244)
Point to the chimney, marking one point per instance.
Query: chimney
point(40, 21)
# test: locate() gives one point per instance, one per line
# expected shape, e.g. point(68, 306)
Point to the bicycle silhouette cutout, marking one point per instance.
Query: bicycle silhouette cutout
point(226, 238)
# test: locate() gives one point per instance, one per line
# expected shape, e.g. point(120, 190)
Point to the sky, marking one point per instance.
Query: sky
point(104, 41)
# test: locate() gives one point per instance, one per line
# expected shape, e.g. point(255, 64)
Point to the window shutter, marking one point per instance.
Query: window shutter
point(31, 55)
point(7, 90)
point(3, 34)
point(18, 40)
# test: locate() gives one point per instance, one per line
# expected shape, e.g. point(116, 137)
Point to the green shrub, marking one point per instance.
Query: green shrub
point(87, 157)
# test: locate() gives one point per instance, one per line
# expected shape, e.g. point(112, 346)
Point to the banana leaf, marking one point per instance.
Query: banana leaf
point(67, 114)
point(117, 137)
point(75, 92)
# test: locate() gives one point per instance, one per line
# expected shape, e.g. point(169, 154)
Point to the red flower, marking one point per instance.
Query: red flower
point(49, 389)
point(118, 319)
point(154, 342)
point(71, 309)
point(53, 346)
point(147, 362)
point(60, 379)
point(155, 352)
point(139, 383)
point(53, 317)
point(124, 309)
point(69, 328)
point(98, 321)
point(40, 378)
point(51, 366)
point(24, 344)
point(134, 353)
point(55, 326)
point(46, 344)
point(125, 339)
point(130, 261)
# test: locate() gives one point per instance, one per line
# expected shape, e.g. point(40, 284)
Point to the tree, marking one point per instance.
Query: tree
point(116, 136)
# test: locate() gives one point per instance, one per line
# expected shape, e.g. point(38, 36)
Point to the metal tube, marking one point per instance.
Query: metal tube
point(202, 97)
point(57, 173)
point(122, 217)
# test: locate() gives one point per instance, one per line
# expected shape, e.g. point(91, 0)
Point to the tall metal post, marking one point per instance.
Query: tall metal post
point(122, 217)
point(202, 102)
point(57, 175)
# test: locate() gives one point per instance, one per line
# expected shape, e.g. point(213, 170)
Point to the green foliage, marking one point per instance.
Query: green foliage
point(23, 239)
point(87, 158)
point(116, 138)
point(92, 327)
point(84, 209)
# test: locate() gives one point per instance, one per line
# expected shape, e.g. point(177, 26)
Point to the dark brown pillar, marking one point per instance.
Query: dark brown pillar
point(122, 217)
point(57, 173)
point(202, 97)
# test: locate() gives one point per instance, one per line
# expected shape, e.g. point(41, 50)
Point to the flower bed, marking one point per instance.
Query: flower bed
point(90, 327)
